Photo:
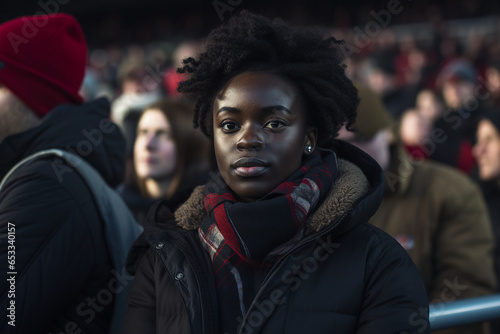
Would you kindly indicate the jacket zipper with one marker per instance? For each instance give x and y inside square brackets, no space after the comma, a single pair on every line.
[208,308]
[279,263]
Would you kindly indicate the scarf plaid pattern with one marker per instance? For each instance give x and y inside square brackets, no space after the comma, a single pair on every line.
[245,239]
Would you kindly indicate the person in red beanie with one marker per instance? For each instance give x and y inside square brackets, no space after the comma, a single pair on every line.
[60,276]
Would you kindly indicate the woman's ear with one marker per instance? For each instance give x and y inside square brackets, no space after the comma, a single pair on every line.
[310,140]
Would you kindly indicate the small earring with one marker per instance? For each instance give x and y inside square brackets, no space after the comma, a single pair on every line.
[309,149]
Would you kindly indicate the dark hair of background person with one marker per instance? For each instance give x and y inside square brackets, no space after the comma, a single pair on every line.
[306,56]
[192,148]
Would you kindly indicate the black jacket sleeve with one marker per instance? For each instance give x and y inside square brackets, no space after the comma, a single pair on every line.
[61,262]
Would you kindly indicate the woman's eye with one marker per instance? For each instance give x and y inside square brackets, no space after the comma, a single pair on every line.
[275,124]
[229,126]
[165,135]
[142,132]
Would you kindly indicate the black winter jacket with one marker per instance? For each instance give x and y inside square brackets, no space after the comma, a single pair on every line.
[62,266]
[345,276]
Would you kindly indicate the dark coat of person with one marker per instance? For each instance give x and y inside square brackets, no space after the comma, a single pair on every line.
[63,269]
[345,276]
[454,135]
[440,217]
[140,205]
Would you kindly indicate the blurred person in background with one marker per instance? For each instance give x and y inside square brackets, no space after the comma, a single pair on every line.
[138,89]
[429,105]
[493,84]
[416,124]
[436,213]
[170,157]
[60,252]
[171,78]
[414,132]
[457,84]
[410,63]
[93,86]
[487,153]
[383,79]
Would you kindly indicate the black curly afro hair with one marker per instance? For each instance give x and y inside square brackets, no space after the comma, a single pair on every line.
[307,56]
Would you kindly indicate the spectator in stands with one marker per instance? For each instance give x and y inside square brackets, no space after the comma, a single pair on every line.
[429,105]
[62,268]
[436,213]
[487,153]
[171,78]
[415,133]
[170,157]
[457,83]
[382,78]
[493,84]
[139,88]
[416,125]
[272,97]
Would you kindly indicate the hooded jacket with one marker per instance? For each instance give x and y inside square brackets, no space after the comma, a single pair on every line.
[345,276]
[61,269]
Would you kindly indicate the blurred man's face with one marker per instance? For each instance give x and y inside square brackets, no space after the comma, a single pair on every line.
[15,117]
[414,128]
[380,82]
[428,105]
[457,93]
[487,151]
[377,147]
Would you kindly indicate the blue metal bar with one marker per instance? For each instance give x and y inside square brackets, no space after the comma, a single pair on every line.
[462,312]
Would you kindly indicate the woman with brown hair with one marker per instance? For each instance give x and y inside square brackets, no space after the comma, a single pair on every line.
[170,157]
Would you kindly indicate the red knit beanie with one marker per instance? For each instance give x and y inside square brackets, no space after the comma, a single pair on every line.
[42,60]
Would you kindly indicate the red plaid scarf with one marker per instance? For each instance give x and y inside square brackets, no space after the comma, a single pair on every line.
[245,239]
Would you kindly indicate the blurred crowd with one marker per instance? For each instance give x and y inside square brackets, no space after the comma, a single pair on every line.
[421,71]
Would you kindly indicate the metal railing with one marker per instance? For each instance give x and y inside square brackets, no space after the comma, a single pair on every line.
[462,312]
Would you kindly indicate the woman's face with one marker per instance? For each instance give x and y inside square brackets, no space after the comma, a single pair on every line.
[260,133]
[154,148]
[487,151]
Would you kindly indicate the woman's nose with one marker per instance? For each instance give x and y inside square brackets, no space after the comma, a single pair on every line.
[251,138]
[150,142]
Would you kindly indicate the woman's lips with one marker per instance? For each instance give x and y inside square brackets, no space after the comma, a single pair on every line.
[250,167]
[149,161]
[252,171]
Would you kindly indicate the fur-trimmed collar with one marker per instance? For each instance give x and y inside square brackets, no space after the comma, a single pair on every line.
[350,185]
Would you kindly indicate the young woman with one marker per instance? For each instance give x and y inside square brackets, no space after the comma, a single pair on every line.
[278,241]
[170,157]
[486,151]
